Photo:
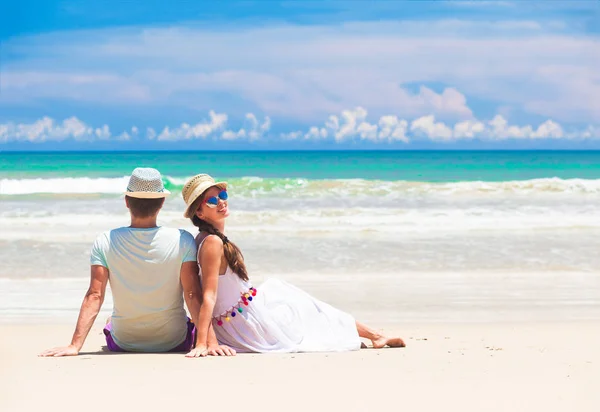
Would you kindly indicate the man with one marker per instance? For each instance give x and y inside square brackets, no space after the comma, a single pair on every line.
[150,269]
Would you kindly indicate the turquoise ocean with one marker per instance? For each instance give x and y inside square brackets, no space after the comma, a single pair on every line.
[423,166]
[484,225]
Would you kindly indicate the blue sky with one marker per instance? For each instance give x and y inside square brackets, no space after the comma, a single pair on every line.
[299,75]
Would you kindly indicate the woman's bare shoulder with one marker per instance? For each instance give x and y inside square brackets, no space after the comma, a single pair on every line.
[209,242]
[199,238]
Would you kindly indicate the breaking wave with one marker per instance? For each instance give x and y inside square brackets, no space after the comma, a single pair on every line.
[252,187]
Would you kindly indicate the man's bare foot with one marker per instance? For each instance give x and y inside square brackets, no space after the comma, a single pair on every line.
[383,341]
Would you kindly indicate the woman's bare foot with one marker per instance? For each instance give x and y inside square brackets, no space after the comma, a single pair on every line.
[378,340]
[383,341]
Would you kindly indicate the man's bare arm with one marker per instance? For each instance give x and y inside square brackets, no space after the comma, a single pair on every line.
[92,302]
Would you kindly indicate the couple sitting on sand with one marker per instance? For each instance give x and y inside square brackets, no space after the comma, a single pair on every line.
[152,269]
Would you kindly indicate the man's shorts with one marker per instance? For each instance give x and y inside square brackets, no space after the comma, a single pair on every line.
[185,346]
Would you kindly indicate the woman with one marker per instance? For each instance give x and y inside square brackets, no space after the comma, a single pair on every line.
[277,317]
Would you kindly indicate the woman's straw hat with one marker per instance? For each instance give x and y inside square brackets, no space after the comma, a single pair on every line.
[194,187]
[146,183]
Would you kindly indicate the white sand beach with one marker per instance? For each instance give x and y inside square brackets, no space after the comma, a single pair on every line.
[475,342]
[544,366]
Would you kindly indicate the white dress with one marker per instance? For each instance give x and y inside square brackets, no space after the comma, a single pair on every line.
[278,317]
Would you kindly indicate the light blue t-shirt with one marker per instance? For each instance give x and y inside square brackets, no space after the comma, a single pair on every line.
[144,267]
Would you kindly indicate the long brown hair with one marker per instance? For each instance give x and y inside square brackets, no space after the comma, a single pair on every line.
[233,254]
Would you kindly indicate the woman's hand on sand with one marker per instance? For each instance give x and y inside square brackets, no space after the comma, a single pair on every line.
[220,350]
[60,351]
[198,351]
[213,350]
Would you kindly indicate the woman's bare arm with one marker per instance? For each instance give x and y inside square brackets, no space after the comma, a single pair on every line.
[210,257]
[192,291]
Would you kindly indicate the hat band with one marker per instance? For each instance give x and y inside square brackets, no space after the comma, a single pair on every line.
[153,191]
[194,196]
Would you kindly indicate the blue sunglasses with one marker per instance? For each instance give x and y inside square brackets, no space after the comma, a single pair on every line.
[213,201]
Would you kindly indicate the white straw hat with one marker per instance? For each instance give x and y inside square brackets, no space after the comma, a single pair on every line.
[194,187]
[146,183]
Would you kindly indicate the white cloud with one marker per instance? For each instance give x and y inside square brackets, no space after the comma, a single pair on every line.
[127,135]
[547,130]
[427,125]
[591,132]
[198,131]
[353,125]
[252,130]
[367,131]
[315,133]
[348,123]
[391,129]
[291,135]
[151,133]
[450,101]
[349,126]
[46,129]
[102,133]
[468,129]
[231,135]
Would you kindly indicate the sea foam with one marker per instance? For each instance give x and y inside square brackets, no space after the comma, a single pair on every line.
[253,187]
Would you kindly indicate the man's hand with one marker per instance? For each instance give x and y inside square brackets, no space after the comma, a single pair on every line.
[61,351]
[220,350]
